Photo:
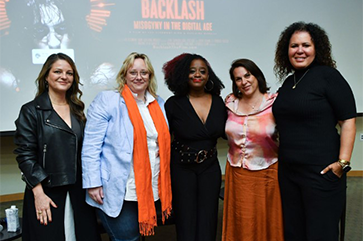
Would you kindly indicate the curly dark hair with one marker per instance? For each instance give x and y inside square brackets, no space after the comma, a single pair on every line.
[251,67]
[176,73]
[73,95]
[323,55]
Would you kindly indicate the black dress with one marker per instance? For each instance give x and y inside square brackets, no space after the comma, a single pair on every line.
[84,215]
[195,185]
[306,119]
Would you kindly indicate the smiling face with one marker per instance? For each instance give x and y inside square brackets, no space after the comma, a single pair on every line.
[245,82]
[198,74]
[301,50]
[60,77]
[137,77]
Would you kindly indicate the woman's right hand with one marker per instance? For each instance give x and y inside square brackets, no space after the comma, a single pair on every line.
[96,193]
[42,205]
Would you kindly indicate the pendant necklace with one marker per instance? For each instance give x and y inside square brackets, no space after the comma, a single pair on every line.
[256,105]
[295,83]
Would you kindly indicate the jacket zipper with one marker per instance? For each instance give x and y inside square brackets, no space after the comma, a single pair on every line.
[44,152]
[76,152]
[23,177]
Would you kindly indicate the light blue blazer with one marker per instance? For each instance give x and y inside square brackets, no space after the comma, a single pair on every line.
[107,149]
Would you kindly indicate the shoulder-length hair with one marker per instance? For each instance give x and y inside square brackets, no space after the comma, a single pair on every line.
[73,94]
[323,55]
[176,75]
[252,68]
[128,62]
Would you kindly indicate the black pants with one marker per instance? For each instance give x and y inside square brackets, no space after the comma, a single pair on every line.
[84,215]
[195,199]
[312,203]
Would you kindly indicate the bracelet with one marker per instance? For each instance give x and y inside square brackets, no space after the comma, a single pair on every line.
[343,163]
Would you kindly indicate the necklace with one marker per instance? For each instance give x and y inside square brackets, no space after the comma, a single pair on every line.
[60,104]
[256,105]
[253,106]
[295,83]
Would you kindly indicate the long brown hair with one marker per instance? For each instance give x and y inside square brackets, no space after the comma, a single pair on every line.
[251,67]
[73,94]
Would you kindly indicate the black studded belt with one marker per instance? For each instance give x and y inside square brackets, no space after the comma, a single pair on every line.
[190,155]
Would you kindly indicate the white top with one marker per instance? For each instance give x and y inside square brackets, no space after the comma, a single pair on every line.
[153,148]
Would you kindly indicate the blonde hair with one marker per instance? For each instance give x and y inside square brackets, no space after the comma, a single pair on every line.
[128,62]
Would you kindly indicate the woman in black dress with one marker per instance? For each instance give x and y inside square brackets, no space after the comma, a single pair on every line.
[49,135]
[196,115]
[313,157]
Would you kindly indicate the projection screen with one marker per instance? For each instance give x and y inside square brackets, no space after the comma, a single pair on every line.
[99,34]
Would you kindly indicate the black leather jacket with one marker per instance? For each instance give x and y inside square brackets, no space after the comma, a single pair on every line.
[48,150]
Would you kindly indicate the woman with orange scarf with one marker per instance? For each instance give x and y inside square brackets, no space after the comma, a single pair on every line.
[126,153]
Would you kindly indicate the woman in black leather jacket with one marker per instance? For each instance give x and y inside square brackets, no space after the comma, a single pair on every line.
[49,134]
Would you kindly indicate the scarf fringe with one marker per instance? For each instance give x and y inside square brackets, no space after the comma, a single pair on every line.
[165,215]
[147,229]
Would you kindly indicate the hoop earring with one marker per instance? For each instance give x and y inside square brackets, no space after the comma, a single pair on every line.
[209,89]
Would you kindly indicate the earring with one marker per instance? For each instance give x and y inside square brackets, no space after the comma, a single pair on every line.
[46,84]
[209,89]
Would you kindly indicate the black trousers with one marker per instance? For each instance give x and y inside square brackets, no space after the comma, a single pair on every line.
[312,203]
[195,190]
[84,215]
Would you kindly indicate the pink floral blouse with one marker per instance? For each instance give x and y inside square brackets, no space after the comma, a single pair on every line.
[252,138]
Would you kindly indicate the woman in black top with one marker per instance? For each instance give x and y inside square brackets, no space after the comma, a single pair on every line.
[196,115]
[49,134]
[313,157]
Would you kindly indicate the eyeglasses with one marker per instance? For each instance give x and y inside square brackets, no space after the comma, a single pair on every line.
[143,74]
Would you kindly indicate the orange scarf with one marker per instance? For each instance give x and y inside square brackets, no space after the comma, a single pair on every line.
[145,198]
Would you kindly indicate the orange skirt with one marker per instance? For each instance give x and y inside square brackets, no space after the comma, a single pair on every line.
[252,205]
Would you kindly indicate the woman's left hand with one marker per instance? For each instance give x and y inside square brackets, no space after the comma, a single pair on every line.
[96,193]
[336,169]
